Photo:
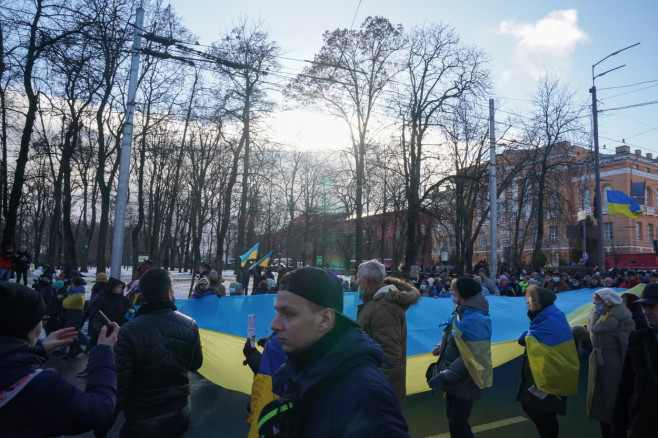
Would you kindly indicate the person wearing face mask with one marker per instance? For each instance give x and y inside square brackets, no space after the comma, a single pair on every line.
[549,370]
[608,329]
[424,288]
[594,283]
[37,402]
[563,283]
[464,367]
[383,316]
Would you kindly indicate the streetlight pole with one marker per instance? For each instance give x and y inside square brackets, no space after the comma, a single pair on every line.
[597,170]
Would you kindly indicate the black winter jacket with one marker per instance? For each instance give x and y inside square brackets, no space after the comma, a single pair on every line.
[154,353]
[637,395]
[49,405]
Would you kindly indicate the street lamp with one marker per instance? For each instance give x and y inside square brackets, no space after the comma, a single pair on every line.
[597,171]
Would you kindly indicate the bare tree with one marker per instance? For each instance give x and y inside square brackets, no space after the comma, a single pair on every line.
[348,79]
[440,72]
[556,118]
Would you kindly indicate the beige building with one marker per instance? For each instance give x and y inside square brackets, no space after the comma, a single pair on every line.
[570,190]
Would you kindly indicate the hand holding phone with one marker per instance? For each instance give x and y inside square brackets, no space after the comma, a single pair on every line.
[101,320]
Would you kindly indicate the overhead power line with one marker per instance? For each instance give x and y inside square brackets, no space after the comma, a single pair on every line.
[653,102]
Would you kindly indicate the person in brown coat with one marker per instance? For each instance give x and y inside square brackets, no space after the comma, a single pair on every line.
[608,329]
[382,316]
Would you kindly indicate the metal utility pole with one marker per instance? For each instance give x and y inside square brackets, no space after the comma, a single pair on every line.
[126,144]
[493,203]
[597,170]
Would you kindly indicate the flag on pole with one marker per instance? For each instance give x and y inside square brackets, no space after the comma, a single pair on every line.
[264,261]
[251,254]
[620,203]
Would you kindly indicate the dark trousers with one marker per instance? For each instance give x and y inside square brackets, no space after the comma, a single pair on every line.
[170,425]
[606,429]
[458,411]
[545,422]
[22,273]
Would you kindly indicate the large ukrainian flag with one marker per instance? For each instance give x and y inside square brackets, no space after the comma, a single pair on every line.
[552,354]
[223,330]
[621,204]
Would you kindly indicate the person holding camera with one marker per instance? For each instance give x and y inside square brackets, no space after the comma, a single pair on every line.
[28,392]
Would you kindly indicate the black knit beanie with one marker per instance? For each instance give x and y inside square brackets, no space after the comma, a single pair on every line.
[21,309]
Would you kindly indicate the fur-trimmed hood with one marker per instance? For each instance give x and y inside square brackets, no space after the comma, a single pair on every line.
[396,291]
[604,323]
[539,298]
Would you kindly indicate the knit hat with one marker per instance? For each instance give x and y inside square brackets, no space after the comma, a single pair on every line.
[319,287]
[114,282]
[608,296]
[21,309]
[203,281]
[101,277]
[467,287]
[503,278]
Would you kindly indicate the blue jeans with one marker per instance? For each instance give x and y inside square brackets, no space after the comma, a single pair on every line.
[458,411]
[4,274]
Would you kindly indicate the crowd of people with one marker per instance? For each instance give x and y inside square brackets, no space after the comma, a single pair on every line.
[331,375]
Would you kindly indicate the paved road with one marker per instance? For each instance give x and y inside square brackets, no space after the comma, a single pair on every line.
[220,412]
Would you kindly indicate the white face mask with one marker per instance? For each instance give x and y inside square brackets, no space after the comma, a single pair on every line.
[455,299]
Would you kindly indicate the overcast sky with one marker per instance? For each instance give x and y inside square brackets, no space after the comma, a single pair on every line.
[524,39]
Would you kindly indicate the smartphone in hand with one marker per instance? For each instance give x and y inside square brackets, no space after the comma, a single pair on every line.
[101,320]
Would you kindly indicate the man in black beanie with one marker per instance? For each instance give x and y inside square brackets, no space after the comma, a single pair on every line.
[26,389]
[330,382]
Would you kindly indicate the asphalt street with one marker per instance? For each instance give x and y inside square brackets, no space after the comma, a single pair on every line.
[220,412]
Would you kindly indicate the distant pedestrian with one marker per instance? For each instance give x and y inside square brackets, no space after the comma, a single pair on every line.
[6,262]
[22,261]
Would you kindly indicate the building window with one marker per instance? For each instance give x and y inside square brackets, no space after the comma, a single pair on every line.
[647,196]
[649,232]
[608,231]
[587,200]
[483,239]
[638,231]
[553,234]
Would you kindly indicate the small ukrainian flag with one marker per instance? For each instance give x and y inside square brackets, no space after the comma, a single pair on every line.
[621,204]
[249,255]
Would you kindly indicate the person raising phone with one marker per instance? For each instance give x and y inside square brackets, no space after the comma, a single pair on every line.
[26,389]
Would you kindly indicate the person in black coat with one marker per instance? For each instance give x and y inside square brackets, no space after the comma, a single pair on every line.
[42,402]
[637,394]
[155,351]
[22,261]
